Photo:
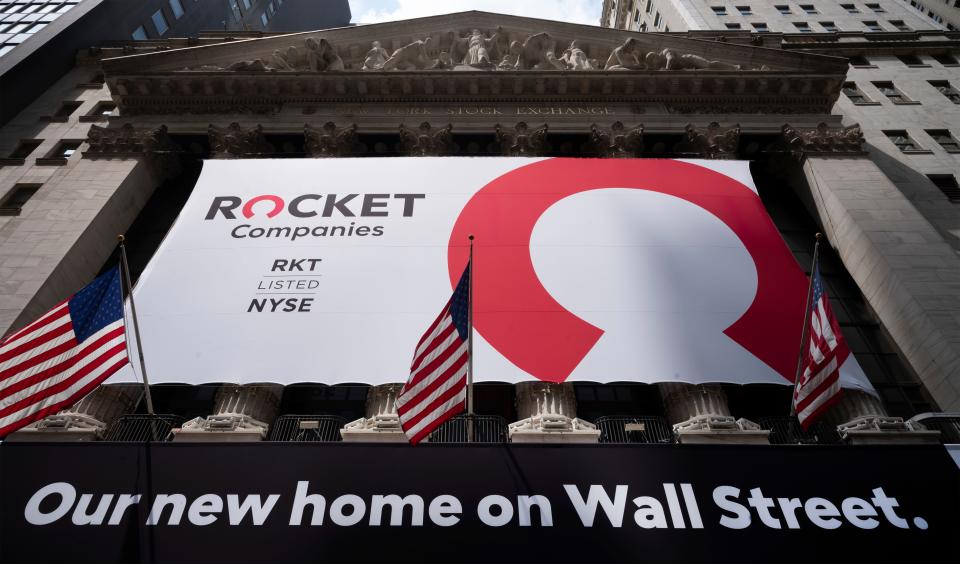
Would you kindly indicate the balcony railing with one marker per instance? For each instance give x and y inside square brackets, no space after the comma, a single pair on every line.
[306,428]
[786,430]
[486,429]
[137,428]
[640,429]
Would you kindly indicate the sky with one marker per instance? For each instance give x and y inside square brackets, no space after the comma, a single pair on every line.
[574,11]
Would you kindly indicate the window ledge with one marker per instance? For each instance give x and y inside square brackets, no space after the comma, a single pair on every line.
[953,151]
[10,211]
[923,66]
[917,152]
[94,118]
[950,65]
[52,161]
[864,66]
[910,103]
[58,119]
[9,161]
[93,85]
[867,104]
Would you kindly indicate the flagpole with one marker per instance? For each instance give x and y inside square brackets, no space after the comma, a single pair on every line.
[470,430]
[125,267]
[806,325]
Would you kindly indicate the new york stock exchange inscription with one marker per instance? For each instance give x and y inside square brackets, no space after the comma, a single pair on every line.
[520,111]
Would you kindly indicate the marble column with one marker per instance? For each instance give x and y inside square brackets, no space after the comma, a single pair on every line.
[380,423]
[861,419]
[88,419]
[699,413]
[548,413]
[241,413]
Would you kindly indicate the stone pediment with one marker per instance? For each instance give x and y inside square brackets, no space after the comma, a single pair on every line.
[472,54]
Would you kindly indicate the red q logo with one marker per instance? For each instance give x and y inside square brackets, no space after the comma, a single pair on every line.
[519,318]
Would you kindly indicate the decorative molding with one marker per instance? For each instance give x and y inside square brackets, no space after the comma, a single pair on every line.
[128,141]
[521,141]
[714,142]
[234,142]
[823,140]
[330,140]
[426,141]
[616,141]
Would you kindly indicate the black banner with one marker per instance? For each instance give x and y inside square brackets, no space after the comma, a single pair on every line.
[297,503]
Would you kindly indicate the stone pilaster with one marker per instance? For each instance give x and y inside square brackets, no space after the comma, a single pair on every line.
[714,141]
[548,413]
[381,423]
[862,419]
[906,271]
[241,413]
[521,141]
[129,142]
[86,420]
[425,141]
[699,414]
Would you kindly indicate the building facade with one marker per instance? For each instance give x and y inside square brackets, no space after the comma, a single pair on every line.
[117,143]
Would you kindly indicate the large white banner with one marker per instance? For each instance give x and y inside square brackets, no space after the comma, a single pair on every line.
[585,269]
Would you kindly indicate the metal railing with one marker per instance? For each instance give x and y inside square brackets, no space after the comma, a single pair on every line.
[786,430]
[138,428]
[649,429]
[487,429]
[947,423]
[307,428]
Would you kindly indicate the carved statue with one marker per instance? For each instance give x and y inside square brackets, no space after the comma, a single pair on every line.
[425,142]
[288,59]
[477,50]
[624,57]
[329,141]
[443,61]
[256,65]
[322,55]
[668,59]
[522,141]
[412,56]
[375,57]
[539,53]
[617,142]
[575,59]
[511,59]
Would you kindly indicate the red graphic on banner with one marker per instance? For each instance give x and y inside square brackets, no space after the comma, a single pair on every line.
[521,320]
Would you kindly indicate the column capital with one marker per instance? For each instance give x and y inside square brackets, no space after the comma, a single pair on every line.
[714,141]
[330,140]
[128,141]
[521,141]
[823,140]
[426,141]
[616,141]
[236,142]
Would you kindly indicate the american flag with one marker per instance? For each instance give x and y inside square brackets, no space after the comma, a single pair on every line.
[437,388]
[819,385]
[61,357]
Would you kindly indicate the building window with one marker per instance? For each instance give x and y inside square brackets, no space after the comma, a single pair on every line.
[733,26]
[744,10]
[643,26]
[12,203]
[945,88]
[853,92]
[860,61]
[872,26]
[902,140]
[876,8]
[808,8]
[636,17]
[900,25]
[656,20]
[892,93]
[649,6]
[271,8]
[264,19]
[24,148]
[911,61]
[719,10]
[802,27]
[64,149]
[177,8]
[99,112]
[947,183]
[65,110]
[945,58]
[760,27]
[850,8]
[139,34]
[945,139]
[829,26]
[246,4]
[784,10]
[159,22]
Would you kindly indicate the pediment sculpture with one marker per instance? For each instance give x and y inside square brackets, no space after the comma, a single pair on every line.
[475,50]
[315,55]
